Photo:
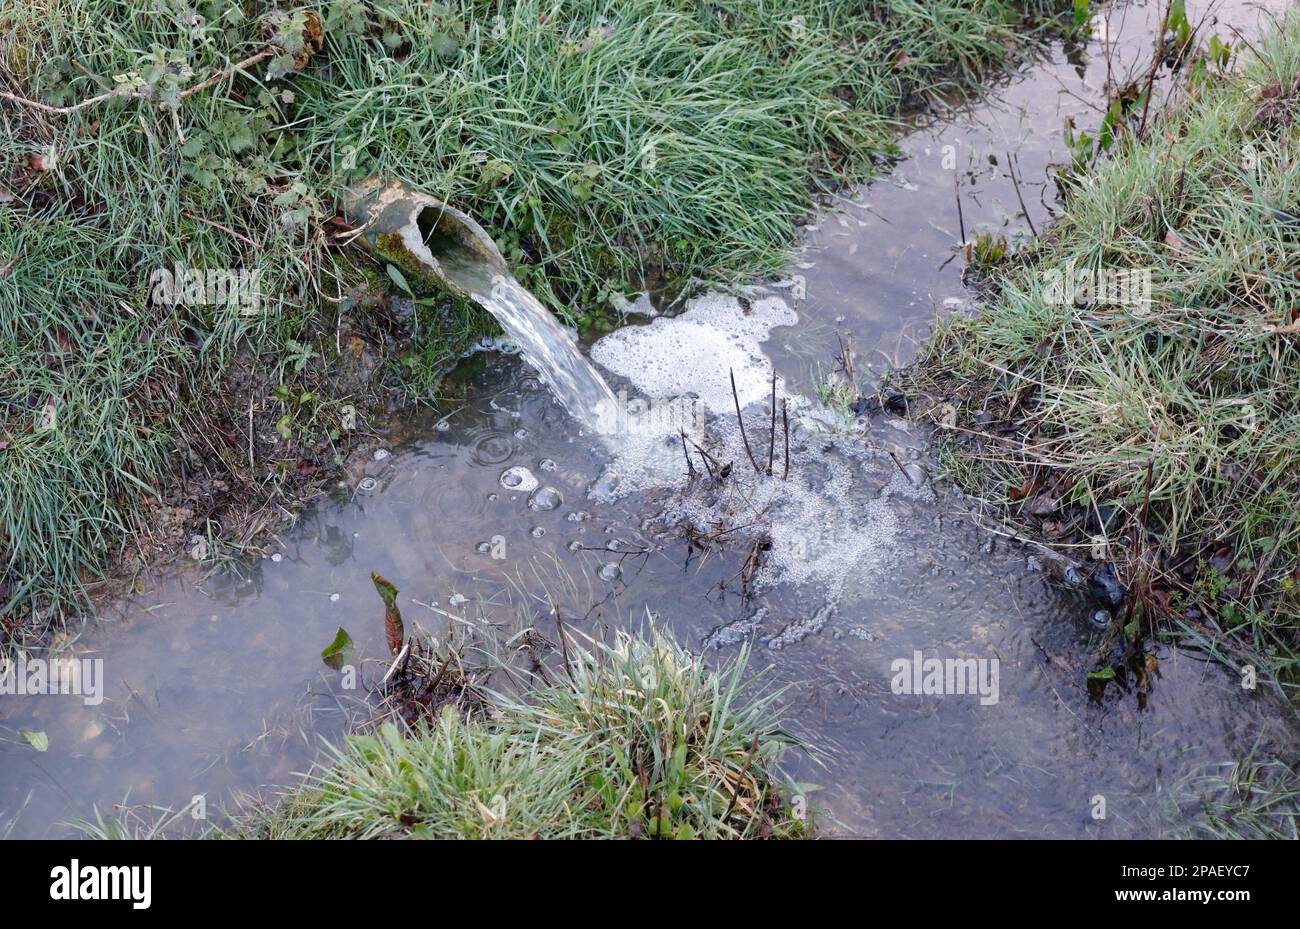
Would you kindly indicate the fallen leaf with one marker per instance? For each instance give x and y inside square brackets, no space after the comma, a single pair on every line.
[1044,505]
[333,654]
[1177,243]
[1024,490]
[37,740]
[488,816]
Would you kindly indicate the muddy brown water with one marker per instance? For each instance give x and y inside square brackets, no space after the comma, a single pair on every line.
[214,684]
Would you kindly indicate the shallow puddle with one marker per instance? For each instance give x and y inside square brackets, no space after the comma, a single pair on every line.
[215,685]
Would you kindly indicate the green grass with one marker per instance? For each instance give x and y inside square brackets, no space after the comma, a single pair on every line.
[683,135]
[639,739]
[1247,799]
[1181,415]
[593,139]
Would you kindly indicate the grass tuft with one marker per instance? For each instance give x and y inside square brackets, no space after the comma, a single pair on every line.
[639,740]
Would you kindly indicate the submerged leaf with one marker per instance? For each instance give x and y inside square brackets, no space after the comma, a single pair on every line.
[333,654]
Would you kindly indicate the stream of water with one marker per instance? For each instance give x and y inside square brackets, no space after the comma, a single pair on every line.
[215,685]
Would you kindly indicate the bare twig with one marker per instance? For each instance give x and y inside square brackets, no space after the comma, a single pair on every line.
[215,225]
[771,432]
[221,75]
[785,422]
[1024,209]
[127,93]
[740,419]
[564,644]
[961,219]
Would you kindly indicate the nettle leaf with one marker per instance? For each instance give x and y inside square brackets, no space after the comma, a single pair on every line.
[445,45]
[495,171]
[280,66]
[346,16]
[241,138]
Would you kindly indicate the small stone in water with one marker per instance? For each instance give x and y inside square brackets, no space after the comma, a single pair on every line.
[545,498]
[518,478]
[381,454]
[1101,619]
[442,426]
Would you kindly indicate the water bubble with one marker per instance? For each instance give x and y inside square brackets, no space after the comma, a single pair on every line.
[521,433]
[578,516]
[492,498]
[381,454]
[545,498]
[610,571]
[276,557]
[537,532]
[334,598]
[575,546]
[546,464]
[612,545]
[442,426]
[518,478]
[457,599]
[367,485]
[484,548]
[1101,619]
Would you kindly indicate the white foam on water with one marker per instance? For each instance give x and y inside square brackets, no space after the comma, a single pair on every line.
[830,524]
[693,353]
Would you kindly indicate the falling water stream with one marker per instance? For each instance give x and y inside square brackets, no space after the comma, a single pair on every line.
[543,342]
[490,515]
